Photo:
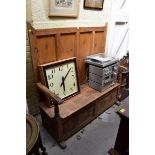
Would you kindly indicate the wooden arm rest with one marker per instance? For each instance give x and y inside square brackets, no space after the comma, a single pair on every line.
[49,93]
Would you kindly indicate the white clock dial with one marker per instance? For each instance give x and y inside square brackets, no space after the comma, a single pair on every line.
[62,79]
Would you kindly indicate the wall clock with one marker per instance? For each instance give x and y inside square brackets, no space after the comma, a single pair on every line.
[61,77]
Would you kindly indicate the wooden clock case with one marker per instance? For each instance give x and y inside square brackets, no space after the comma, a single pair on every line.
[42,72]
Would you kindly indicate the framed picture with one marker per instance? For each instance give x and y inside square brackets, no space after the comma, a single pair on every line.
[61,77]
[69,8]
[94,4]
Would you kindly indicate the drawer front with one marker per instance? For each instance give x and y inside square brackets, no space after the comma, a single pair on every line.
[78,119]
[105,102]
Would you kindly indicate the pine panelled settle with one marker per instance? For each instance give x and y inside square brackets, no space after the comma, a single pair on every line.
[48,45]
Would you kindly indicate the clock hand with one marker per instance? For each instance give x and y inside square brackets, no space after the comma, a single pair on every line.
[63,84]
[63,79]
[67,73]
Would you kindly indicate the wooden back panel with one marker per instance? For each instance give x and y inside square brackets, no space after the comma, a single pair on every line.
[48,45]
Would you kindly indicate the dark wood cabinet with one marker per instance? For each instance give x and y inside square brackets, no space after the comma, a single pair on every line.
[122,141]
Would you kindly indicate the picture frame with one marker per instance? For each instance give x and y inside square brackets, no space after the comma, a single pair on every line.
[61,77]
[93,4]
[65,8]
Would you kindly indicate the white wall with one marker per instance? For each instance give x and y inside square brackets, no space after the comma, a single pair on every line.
[28,11]
[86,18]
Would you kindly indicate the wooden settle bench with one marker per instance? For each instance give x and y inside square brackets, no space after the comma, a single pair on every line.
[64,118]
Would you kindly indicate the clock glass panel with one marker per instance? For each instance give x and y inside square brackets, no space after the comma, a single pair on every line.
[62,79]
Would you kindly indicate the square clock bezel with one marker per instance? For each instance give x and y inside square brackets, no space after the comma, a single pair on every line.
[44,67]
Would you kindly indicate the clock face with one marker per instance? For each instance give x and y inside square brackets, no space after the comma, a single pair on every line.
[62,79]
